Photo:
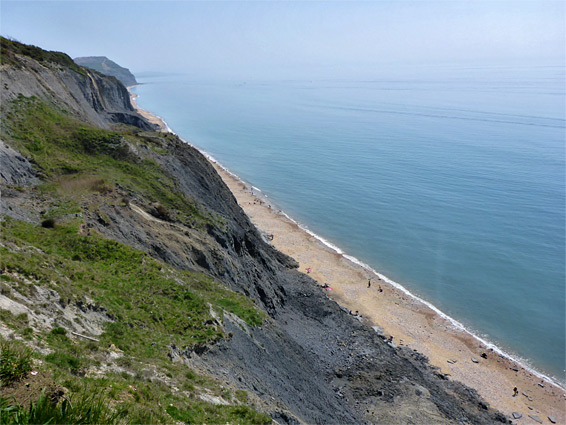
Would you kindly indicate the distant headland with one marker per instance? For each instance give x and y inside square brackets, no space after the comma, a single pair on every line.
[107,67]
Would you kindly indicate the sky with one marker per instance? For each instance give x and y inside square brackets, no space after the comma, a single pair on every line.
[287,39]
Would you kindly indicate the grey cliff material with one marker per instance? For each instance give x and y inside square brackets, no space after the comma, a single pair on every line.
[310,362]
[94,98]
[16,170]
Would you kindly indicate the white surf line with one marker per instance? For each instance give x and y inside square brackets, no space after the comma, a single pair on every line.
[457,325]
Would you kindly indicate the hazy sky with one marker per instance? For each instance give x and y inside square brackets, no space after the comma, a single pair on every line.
[272,38]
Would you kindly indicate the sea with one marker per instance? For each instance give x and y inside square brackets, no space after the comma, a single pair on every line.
[448,180]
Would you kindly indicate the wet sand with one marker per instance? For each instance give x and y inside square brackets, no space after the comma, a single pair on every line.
[411,323]
[147,115]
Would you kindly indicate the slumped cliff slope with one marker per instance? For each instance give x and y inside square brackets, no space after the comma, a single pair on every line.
[128,267]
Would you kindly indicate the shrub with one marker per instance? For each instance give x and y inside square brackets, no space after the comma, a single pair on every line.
[64,361]
[15,362]
[161,212]
[58,331]
[84,410]
[48,223]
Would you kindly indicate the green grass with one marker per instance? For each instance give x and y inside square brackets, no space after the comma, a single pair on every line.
[152,306]
[15,362]
[64,361]
[9,49]
[72,155]
[17,322]
[61,208]
[201,412]
[88,409]
[126,399]
[151,302]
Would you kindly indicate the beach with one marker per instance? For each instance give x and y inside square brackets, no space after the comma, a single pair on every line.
[410,322]
[147,115]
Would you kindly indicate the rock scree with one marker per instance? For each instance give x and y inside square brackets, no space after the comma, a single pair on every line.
[310,361]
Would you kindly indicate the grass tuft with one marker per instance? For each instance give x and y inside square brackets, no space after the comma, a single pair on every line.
[90,409]
[15,362]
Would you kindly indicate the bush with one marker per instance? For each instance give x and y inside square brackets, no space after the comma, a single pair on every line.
[64,361]
[48,223]
[58,331]
[159,211]
[83,410]
[98,141]
[15,362]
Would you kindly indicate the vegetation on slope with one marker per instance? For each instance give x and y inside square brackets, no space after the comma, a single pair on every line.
[10,48]
[124,374]
[66,150]
[149,305]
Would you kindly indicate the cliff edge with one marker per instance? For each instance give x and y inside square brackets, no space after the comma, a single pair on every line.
[130,271]
[107,67]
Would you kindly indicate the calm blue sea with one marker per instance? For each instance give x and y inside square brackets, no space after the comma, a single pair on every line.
[449,181]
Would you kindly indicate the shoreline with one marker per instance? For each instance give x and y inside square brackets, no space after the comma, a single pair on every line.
[411,321]
[154,119]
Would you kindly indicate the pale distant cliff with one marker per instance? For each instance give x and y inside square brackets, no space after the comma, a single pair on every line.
[107,67]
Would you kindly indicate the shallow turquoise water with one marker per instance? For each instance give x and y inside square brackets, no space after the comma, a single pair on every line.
[451,184]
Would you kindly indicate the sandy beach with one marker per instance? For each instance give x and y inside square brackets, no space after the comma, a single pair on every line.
[147,115]
[410,322]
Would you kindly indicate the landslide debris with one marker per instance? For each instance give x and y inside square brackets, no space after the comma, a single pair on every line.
[151,289]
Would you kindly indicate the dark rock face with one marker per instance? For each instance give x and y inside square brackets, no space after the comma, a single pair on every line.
[310,362]
[16,170]
[96,99]
[107,67]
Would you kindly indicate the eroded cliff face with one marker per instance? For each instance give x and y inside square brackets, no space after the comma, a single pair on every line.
[309,361]
[312,362]
[96,99]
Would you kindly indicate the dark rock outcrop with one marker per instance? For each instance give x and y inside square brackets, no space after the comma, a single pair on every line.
[310,361]
[94,98]
[16,170]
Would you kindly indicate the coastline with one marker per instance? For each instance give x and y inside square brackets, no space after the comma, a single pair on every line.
[412,322]
[154,119]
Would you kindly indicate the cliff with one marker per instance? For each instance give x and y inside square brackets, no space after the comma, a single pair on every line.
[54,78]
[131,272]
[107,67]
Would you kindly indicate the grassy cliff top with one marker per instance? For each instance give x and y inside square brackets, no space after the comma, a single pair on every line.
[9,49]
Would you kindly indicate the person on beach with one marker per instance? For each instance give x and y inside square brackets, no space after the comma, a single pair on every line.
[515,392]
[379,289]
[369,283]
